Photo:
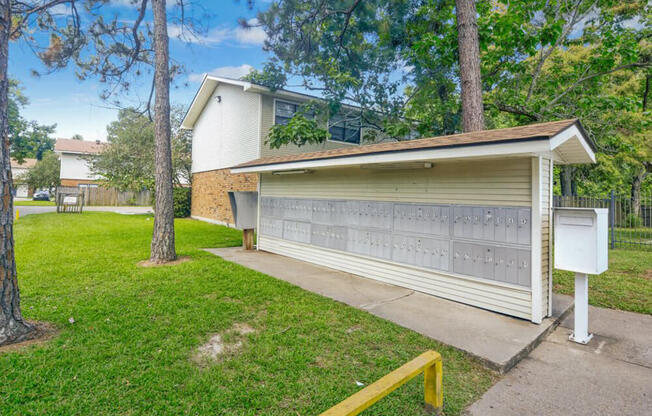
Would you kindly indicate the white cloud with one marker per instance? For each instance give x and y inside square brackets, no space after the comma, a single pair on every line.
[235,72]
[254,35]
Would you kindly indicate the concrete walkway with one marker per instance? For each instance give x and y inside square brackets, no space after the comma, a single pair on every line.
[498,340]
[612,375]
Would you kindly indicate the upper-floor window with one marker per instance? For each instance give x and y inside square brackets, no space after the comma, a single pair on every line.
[284,111]
[345,128]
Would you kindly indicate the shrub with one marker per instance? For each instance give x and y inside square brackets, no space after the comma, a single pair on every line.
[181,198]
[633,221]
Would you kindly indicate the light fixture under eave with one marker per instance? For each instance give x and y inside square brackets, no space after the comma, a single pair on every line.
[398,166]
[291,172]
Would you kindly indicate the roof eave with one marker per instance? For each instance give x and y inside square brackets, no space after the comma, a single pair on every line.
[508,148]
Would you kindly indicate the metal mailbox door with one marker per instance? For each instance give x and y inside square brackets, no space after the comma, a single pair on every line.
[524,226]
[511,220]
[499,224]
[478,223]
[488,227]
[524,268]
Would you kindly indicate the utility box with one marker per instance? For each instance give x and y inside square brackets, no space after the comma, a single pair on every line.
[244,206]
[581,236]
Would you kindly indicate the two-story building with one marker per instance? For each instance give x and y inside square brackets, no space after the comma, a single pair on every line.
[75,168]
[231,120]
[19,171]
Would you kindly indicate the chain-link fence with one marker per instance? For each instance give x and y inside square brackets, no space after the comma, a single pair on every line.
[630,219]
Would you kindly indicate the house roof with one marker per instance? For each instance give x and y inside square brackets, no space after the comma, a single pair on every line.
[210,82]
[551,137]
[28,163]
[78,146]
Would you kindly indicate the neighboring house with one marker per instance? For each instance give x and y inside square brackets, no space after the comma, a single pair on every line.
[18,172]
[75,170]
[231,120]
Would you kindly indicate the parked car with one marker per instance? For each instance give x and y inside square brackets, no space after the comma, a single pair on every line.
[41,196]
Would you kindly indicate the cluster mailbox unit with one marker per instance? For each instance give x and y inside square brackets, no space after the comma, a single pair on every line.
[581,247]
[464,217]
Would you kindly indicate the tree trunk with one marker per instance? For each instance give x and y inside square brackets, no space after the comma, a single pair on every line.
[566,182]
[13,328]
[469,56]
[637,181]
[162,249]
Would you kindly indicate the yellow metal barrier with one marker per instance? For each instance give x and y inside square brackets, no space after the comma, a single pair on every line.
[429,363]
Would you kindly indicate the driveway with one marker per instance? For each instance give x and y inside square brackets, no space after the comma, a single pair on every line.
[27,210]
[611,375]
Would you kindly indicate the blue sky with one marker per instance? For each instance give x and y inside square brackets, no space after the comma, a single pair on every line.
[75,106]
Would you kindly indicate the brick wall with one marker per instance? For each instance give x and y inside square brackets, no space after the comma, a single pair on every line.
[76,182]
[210,198]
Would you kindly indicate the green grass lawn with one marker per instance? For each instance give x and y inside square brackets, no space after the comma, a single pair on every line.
[135,329]
[34,203]
[627,285]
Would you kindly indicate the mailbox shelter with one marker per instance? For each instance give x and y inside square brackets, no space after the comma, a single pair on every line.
[465,217]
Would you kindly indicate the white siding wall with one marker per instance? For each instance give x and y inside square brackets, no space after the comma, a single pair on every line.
[267,121]
[75,167]
[227,132]
[506,182]
[546,233]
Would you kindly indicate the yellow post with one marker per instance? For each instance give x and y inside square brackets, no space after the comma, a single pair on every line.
[17,214]
[429,363]
[432,387]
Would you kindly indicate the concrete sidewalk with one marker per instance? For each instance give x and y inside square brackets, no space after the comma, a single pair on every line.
[611,375]
[499,341]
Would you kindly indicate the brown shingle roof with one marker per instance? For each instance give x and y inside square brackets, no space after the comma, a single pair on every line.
[28,163]
[78,146]
[538,131]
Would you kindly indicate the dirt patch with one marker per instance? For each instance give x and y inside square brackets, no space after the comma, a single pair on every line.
[648,274]
[179,260]
[220,345]
[45,331]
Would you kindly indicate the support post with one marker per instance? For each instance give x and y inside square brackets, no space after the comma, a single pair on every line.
[248,239]
[433,391]
[581,330]
[612,218]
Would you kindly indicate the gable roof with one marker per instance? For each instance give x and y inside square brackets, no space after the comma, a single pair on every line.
[210,82]
[522,140]
[28,163]
[85,147]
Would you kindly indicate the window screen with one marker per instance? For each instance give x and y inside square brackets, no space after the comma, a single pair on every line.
[284,112]
[345,129]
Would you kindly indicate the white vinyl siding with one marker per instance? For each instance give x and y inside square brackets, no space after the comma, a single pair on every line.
[505,182]
[227,131]
[546,231]
[501,298]
[74,166]
[267,121]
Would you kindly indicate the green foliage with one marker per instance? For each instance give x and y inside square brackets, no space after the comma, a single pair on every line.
[299,130]
[135,330]
[626,285]
[27,139]
[633,221]
[541,60]
[182,202]
[128,162]
[45,174]
[272,76]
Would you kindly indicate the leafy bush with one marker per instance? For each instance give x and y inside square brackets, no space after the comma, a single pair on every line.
[633,221]
[181,198]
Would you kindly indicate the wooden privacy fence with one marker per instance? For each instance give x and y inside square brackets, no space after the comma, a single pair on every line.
[109,196]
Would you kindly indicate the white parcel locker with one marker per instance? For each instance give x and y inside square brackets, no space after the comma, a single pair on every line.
[581,239]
